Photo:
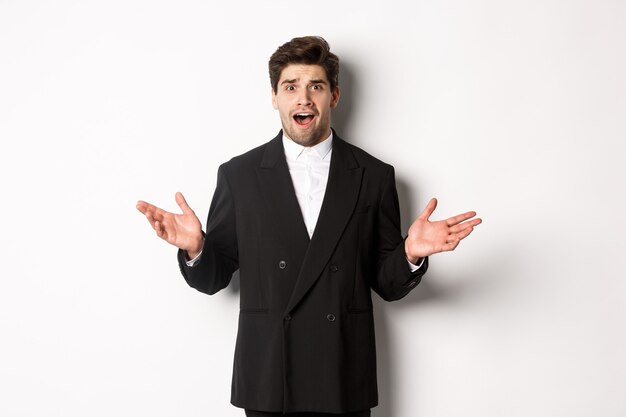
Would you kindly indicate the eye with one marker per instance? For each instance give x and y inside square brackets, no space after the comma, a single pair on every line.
[316,87]
[290,88]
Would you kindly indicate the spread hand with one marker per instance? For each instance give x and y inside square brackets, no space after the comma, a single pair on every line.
[181,230]
[427,237]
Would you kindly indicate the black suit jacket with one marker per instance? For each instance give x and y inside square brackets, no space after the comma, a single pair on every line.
[306,331]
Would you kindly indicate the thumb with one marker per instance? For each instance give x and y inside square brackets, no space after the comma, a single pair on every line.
[182,203]
[430,207]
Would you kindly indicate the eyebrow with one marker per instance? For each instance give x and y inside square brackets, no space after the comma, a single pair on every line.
[292,81]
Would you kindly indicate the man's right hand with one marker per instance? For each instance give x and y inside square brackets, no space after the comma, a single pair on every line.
[181,230]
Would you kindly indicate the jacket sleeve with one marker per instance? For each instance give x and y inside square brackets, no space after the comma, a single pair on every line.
[219,257]
[394,278]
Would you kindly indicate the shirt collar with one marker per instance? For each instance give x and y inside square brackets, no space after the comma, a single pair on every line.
[294,150]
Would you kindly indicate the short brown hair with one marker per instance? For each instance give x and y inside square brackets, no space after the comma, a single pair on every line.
[308,50]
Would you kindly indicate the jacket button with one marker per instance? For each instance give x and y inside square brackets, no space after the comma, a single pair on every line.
[282,264]
[331,317]
[334,268]
[287,317]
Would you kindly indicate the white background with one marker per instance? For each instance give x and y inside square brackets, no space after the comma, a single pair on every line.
[513,109]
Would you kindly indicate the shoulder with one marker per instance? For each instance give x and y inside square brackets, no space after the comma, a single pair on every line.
[363,158]
[252,158]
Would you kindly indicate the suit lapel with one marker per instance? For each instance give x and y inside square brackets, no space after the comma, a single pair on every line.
[280,196]
[342,192]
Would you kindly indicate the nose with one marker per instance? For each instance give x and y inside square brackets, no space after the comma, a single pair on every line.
[304,98]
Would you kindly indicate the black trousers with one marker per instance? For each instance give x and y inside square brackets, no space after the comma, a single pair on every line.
[252,413]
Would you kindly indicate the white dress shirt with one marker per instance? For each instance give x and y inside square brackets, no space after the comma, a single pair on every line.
[309,168]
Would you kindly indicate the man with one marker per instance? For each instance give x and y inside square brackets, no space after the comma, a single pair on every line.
[312,223]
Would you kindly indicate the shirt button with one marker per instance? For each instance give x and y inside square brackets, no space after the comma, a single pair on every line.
[282,264]
[334,268]
[331,317]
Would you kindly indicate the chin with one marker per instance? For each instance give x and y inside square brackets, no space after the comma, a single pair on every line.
[305,138]
[306,141]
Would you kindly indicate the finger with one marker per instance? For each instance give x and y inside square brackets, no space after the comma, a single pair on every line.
[450,246]
[430,207]
[154,216]
[146,208]
[465,233]
[182,203]
[141,206]
[460,218]
[160,230]
[462,226]
[151,219]
[457,237]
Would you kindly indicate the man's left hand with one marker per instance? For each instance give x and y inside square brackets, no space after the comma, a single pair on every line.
[429,237]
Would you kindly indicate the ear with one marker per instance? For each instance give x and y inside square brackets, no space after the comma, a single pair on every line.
[334,98]
[274,103]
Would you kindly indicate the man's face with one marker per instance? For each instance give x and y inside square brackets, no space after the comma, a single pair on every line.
[304,99]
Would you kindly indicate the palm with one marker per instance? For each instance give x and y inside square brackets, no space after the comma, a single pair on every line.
[181,230]
[427,237]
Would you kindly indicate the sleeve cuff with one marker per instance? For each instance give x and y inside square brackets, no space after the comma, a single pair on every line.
[193,261]
[412,267]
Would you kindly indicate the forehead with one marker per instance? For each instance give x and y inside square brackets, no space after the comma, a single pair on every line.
[303,73]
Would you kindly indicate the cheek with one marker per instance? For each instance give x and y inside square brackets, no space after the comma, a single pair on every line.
[327,103]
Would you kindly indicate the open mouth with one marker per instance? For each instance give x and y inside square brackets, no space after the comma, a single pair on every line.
[303,119]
